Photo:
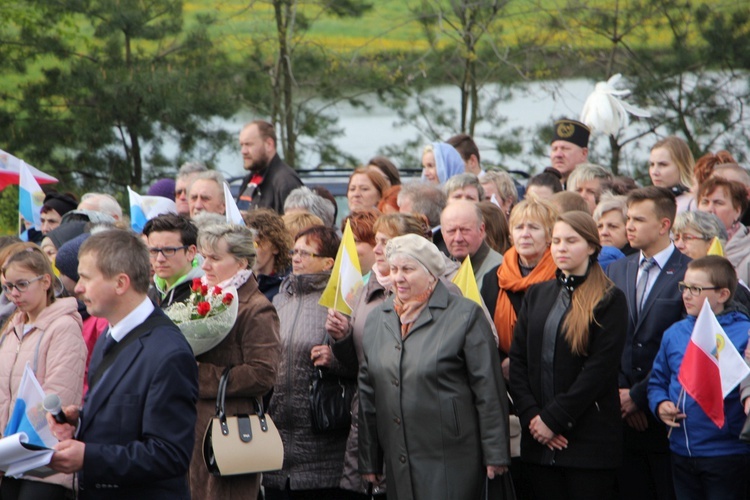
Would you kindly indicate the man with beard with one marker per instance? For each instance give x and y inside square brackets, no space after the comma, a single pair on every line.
[269,180]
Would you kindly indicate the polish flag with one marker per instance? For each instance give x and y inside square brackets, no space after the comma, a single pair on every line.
[711,367]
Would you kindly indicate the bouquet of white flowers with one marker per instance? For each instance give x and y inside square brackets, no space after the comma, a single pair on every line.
[206,317]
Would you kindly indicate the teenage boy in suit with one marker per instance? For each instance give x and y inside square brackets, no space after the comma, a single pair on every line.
[649,279]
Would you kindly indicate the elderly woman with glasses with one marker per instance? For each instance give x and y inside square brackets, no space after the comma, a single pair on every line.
[251,348]
[693,233]
[312,461]
[45,333]
[432,397]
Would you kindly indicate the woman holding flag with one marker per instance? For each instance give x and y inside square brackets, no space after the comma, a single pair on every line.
[312,461]
[432,398]
[347,331]
[44,332]
[695,392]
[564,364]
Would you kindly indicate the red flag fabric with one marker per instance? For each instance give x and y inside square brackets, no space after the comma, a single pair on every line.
[699,374]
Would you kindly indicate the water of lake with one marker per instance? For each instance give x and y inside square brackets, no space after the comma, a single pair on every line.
[368,131]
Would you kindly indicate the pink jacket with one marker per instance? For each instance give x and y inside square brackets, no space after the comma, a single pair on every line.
[57,354]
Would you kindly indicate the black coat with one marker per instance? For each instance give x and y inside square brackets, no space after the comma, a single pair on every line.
[662,308]
[586,404]
[279,179]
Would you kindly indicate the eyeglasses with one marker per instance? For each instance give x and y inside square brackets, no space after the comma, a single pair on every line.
[20,285]
[304,254]
[166,251]
[689,237]
[694,290]
[180,192]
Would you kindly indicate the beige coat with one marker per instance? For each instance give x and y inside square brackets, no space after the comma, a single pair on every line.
[252,348]
[56,352]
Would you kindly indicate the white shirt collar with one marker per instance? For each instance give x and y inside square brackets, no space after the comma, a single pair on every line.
[133,319]
[662,257]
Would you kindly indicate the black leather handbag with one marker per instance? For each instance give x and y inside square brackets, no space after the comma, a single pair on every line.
[330,401]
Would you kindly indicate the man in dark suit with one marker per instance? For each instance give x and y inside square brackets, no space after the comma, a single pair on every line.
[134,437]
[649,279]
[269,180]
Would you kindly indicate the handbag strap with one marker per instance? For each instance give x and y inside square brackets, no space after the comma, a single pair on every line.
[220,397]
[221,411]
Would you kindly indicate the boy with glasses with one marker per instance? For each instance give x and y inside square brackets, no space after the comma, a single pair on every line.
[707,461]
[171,241]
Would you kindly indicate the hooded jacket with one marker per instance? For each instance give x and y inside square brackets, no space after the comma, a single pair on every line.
[180,291]
[697,435]
[55,350]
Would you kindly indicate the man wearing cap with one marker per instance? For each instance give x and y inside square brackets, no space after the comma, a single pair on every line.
[569,147]
[55,206]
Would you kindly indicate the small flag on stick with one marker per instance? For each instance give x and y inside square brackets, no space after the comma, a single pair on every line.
[145,208]
[233,212]
[711,367]
[346,277]
[467,282]
[716,248]
[30,197]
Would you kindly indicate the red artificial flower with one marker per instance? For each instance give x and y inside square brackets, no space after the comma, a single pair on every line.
[196,286]
[204,290]
[228,298]
[217,290]
[203,308]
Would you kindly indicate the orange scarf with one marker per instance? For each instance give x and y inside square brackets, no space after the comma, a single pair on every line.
[509,278]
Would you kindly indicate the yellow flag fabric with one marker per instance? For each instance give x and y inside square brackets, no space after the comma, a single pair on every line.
[466,281]
[716,248]
[346,277]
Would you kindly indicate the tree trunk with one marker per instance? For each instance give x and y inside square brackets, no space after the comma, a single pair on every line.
[283,86]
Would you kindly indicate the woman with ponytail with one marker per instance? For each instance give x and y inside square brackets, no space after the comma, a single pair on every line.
[563,371]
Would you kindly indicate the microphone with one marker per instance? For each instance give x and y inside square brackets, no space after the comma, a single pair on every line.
[53,405]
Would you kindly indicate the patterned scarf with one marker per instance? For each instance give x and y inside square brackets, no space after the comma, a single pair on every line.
[409,311]
[236,281]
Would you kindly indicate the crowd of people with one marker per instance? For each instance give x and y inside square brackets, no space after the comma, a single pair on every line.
[559,381]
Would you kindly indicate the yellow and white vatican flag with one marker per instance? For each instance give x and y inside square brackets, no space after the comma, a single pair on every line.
[346,277]
[467,282]
[716,248]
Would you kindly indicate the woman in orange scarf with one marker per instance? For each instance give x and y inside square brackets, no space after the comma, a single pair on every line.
[526,263]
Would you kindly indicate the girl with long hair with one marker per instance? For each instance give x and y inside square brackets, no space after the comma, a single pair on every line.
[563,371]
[671,165]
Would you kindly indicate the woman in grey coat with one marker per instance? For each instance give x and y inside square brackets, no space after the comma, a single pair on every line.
[312,462]
[432,397]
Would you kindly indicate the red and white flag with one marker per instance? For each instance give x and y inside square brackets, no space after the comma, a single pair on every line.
[711,367]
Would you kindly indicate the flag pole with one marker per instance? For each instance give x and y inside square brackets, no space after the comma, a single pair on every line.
[680,397]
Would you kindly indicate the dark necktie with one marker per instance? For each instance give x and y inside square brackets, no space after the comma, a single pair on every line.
[109,343]
[640,289]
